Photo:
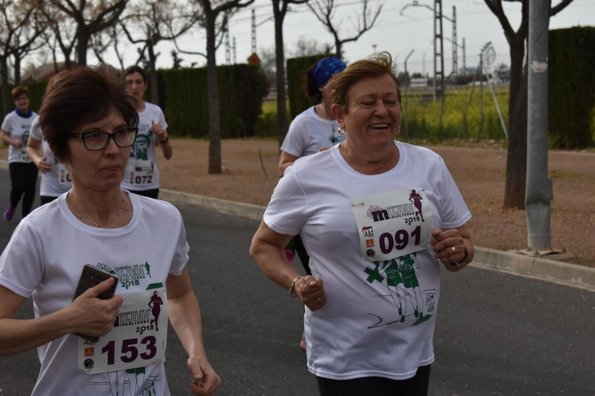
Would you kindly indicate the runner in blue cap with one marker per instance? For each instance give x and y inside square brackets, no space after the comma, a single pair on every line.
[312,131]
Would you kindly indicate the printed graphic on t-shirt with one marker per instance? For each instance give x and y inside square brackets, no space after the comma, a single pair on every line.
[138,339]
[23,154]
[139,170]
[63,174]
[393,227]
[392,224]
[413,304]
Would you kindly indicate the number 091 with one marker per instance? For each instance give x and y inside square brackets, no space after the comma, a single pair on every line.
[399,241]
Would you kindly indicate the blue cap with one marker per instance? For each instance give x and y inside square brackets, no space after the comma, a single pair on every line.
[325,68]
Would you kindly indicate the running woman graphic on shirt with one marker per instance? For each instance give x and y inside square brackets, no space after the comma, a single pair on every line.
[140,168]
[403,288]
[143,313]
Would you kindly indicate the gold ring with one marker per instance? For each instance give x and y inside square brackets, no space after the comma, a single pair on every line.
[453,248]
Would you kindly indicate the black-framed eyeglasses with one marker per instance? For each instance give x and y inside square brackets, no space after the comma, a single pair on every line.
[97,139]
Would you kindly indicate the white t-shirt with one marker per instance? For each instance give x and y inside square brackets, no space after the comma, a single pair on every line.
[44,259]
[379,317]
[57,180]
[19,128]
[308,132]
[142,172]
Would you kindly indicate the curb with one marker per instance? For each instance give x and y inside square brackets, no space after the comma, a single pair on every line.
[510,262]
[536,267]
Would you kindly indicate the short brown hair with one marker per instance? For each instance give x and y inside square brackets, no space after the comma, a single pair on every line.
[374,66]
[18,91]
[79,96]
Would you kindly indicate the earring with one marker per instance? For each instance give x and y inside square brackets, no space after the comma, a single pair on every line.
[341,130]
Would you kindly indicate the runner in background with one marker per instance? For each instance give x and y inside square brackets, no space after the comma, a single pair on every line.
[55,178]
[313,130]
[23,173]
[142,174]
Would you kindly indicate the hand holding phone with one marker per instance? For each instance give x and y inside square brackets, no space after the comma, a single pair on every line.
[91,277]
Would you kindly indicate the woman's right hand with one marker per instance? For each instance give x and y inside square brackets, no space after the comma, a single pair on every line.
[311,291]
[92,315]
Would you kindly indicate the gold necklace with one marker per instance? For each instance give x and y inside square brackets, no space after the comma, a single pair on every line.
[94,223]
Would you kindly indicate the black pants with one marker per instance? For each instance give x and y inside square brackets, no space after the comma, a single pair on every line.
[23,179]
[300,249]
[154,193]
[377,386]
[296,245]
[46,199]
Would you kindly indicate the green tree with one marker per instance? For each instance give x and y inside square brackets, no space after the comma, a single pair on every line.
[516,163]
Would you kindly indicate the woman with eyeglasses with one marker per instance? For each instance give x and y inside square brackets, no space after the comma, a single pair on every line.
[90,123]
[23,173]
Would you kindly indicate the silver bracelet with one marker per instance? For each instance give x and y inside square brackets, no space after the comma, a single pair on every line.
[292,287]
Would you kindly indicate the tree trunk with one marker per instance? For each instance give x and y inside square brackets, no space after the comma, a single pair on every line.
[4,82]
[213,98]
[82,45]
[153,73]
[17,69]
[280,76]
[516,161]
[338,49]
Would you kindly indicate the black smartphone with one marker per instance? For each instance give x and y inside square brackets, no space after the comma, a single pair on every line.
[91,277]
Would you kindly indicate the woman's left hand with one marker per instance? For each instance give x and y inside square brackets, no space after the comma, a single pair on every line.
[205,380]
[449,246]
[311,291]
[158,130]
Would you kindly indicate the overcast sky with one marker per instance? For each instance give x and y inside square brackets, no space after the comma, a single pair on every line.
[401,28]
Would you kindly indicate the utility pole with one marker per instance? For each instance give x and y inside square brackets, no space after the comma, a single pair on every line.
[455,54]
[227,47]
[464,60]
[254,25]
[253,28]
[406,95]
[438,90]
[439,58]
[539,191]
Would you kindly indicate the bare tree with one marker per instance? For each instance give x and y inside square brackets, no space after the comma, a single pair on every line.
[61,33]
[91,17]
[514,192]
[211,10]
[325,10]
[154,21]
[18,32]
[280,8]
[310,47]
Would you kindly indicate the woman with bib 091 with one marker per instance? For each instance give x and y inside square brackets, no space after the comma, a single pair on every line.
[378,217]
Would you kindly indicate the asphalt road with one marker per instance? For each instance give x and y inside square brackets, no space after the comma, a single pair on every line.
[497,334]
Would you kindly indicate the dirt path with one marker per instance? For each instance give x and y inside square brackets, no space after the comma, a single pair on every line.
[250,176]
